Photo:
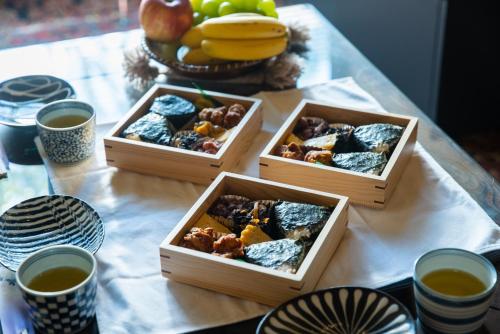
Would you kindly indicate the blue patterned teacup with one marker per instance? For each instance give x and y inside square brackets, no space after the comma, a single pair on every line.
[64,311]
[62,143]
[440,308]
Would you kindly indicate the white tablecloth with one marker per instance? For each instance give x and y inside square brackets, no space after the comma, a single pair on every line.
[427,210]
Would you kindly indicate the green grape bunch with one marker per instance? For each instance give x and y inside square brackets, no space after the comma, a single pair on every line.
[206,9]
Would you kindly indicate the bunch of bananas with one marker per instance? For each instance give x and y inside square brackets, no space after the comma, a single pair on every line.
[235,37]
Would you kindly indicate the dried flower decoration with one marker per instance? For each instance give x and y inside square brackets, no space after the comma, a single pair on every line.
[298,36]
[283,71]
[137,68]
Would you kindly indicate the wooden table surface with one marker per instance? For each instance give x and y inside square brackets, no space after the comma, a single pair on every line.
[93,66]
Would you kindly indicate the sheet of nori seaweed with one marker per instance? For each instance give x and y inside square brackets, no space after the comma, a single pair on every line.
[151,128]
[378,137]
[179,111]
[284,254]
[299,220]
[364,162]
[344,134]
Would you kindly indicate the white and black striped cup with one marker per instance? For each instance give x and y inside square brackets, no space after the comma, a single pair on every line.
[441,313]
[66,311]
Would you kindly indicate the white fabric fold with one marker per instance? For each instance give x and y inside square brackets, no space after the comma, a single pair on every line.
[427,210]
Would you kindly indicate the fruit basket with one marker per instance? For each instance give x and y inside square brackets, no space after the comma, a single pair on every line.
[241,42]
[227,70]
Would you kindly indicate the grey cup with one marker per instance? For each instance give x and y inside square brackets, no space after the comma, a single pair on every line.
[71,144]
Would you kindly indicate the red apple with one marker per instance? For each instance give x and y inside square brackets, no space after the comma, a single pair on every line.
[165,21]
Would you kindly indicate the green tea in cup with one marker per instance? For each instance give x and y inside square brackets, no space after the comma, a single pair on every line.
[454,282]
[57,279]
[66,121]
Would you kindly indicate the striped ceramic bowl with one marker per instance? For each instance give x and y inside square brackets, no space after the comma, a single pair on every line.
[44,221]
[340,310]
[440,313]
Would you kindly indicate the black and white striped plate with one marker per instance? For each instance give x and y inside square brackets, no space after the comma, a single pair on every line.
[47,220]
[342,310]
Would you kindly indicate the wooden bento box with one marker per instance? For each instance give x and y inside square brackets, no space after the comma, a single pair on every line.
[245,280]
[361,188]
[176,163]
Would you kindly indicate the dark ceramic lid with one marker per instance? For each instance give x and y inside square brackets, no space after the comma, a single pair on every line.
[21,97]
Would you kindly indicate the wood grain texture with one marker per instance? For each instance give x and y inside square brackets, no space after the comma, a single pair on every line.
[368,190]
[245,280]
[186,165]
